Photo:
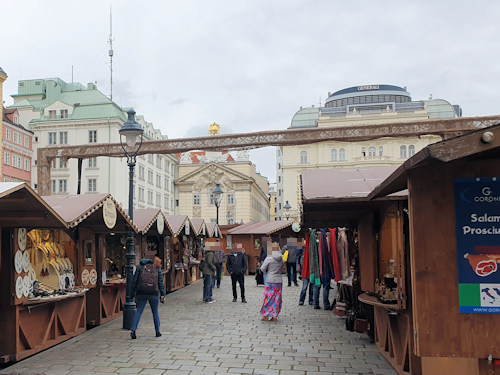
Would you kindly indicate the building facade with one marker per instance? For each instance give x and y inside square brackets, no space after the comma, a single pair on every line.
[3,77]
[17,148]
[355,106]
[61,113]
[246,193]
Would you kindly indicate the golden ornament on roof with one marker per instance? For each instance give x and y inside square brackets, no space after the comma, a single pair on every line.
[214,129]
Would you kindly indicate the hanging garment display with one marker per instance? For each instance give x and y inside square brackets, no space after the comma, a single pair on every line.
[327,273]
[334,255]
[343,252]
[305,259]
[313,259]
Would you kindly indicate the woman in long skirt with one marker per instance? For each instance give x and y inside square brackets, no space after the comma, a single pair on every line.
[272,267]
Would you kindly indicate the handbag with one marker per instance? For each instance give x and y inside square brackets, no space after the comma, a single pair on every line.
[285,256]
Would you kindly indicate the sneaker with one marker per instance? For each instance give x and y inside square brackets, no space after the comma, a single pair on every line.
[235,299]
[158,334]
[132,335]
[211,301]
[243,300]
[301,303]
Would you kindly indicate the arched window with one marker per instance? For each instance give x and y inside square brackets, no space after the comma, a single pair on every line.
[372,152]
[303,157]
[402,152]
[342,154]
[334,154]
[411,150]
[380,151]
[363,151]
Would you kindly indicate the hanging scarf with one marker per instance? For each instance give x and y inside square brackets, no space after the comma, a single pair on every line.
[343,253]
[327,268]
[313,259]
[305,259]
[333,253]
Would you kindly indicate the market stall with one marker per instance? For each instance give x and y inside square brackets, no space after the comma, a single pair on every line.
[39,302]
[154,237]
[180,245]
[250,236]
[201,232]
[375,289]
[98,228]
[454,203]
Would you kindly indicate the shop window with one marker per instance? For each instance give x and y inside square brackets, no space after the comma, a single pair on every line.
[89,253]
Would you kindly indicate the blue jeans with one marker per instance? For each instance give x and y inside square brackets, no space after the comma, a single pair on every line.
[141,300]
[207,288]
[303,292]
[218,274]
[326,295]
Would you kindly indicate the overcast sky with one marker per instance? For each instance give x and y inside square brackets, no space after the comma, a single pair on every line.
[249,65]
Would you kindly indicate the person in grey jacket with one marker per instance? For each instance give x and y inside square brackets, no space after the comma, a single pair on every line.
[272,267]
[207,266]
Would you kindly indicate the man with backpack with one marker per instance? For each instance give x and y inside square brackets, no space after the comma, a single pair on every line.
[147,283]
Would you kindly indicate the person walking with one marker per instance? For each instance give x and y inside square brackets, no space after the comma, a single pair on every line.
[272,266]
[291,262]
[220,258]
[236,265]
[207,266]
[147,283]
[305,275]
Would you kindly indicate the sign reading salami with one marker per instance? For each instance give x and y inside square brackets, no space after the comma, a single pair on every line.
[477,211]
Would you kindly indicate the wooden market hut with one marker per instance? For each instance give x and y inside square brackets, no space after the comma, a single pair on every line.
[381,229]
[214,230]
[98,228]
[153,236]
[30,325]
[250,236]
[453,192]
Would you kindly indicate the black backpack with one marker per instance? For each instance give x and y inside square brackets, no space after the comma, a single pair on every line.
[148,282]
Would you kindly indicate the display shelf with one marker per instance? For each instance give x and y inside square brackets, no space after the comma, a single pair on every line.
[371,300]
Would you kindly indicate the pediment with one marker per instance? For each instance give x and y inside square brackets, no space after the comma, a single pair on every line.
[212,173]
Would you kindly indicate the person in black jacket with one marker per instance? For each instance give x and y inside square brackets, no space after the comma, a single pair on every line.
[236,265]
[141,297]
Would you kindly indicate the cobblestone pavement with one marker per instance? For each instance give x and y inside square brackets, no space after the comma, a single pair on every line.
[219,338]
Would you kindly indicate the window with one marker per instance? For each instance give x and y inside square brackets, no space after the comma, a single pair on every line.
[26,142]
[211,195]
[363,151]
[63,138]
[18,138]
[303,157]
[402,152]
[158,180]
[158,161]
[92,162]
[6,157]
[92,136]
[196,200]
[141,194]
[342,154]
[53,184]
[63,164]
[7,134]
[141,172]
[92,185]
[17,161]
[380,151]
[158,200]
[63,186]
[36,139]
[150,158]
[52,114]
[64,113]
[27,165]
[52,138]
[411,150]
[150,177]
[372,152]
[333,153]
[167,166]
[165,202]
[230,199]
[150,196]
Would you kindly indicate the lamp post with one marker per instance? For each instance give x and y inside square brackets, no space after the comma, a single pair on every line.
[286,209]
[131,130]
[217,194]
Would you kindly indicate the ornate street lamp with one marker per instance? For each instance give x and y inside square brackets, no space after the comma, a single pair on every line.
[217,195]
[132,132]
[286,209]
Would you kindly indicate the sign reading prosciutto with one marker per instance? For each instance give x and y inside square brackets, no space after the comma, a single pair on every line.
[477,212]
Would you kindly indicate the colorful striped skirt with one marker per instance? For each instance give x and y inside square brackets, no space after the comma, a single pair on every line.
[271,306]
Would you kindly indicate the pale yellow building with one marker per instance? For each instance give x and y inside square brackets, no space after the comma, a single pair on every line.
[273,202]
[245,198]
[3,77]
[354,106]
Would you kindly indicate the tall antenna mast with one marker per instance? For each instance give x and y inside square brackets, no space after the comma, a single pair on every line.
[111,50]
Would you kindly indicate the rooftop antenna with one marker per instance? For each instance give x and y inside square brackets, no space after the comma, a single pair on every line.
[111,50]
